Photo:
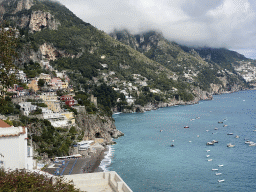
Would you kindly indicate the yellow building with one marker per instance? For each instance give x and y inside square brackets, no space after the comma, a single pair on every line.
[64,85]
[46,77]
[53,105]
[33,85]
[69,116]
[48,97]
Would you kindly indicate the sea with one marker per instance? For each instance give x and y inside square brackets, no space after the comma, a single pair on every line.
[145,160]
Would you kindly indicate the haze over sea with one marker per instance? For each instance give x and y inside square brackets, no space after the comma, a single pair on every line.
[146,162]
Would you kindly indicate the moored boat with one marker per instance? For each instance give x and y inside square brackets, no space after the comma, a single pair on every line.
[209,143]
[218,173]
[230,134]
[230,145]
[221,180]
[186,127]
[215,169]
[252,144]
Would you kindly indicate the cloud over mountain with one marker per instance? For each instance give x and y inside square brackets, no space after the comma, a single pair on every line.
[219,23]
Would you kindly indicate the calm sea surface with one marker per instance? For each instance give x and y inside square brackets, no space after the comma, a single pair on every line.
[146,162]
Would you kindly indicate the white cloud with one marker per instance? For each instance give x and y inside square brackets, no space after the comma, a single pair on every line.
[218,23]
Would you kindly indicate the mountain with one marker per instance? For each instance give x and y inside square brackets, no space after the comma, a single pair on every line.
[128,63]
[210,69]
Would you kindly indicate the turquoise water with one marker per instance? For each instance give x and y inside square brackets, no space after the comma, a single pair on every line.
[146,162]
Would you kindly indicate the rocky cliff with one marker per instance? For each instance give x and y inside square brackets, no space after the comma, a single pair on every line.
[95,126]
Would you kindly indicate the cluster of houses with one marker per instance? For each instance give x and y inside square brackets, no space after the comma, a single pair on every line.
[54,111]
[246,70]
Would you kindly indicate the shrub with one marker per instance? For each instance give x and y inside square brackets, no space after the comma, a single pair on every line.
[21,180]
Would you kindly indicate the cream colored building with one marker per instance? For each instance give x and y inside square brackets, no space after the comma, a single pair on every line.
[69,116]
[33,85]
[46,77]
[48,97]
[64,85]
[53,105]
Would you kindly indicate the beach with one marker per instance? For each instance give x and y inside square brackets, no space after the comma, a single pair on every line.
[86,164]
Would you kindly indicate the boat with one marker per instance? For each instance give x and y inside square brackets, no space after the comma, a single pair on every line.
[220,165]
[209,143]
[248,142]
[230,134]
[208,150]
[207,155]
[237,136]
[207,130]
[215,169]
[225,125]
[197,117]
[220,122]
[218,173]
[172,145]
[214,141]
[230,145]
[221,180]
[186,127]
[209,160]
[161,130]
[252,144]
[215,128]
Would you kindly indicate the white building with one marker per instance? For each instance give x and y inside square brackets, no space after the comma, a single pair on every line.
[15,152]
[22,76]
[56,119]
[27,107]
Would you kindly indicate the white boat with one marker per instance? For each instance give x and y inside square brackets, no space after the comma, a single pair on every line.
[207,155]
[209,160]
[230,145]
[230,134]
[215,169]
[221,180]
[214,141]
[248,142]
[237,136]
[225,125]
[218,173]
[209,143]
[197,117]
[252,144]
[221,165]
[208,150]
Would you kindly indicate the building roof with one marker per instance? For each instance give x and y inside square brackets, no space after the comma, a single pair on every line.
[3,124]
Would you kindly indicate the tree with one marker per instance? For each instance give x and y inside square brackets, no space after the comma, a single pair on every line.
[41,82]
[8,54]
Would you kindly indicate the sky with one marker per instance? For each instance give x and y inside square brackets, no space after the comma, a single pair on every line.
[213,23]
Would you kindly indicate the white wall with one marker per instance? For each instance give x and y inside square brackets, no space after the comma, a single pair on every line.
[13,148]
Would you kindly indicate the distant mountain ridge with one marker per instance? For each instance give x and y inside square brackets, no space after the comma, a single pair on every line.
[209,66]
